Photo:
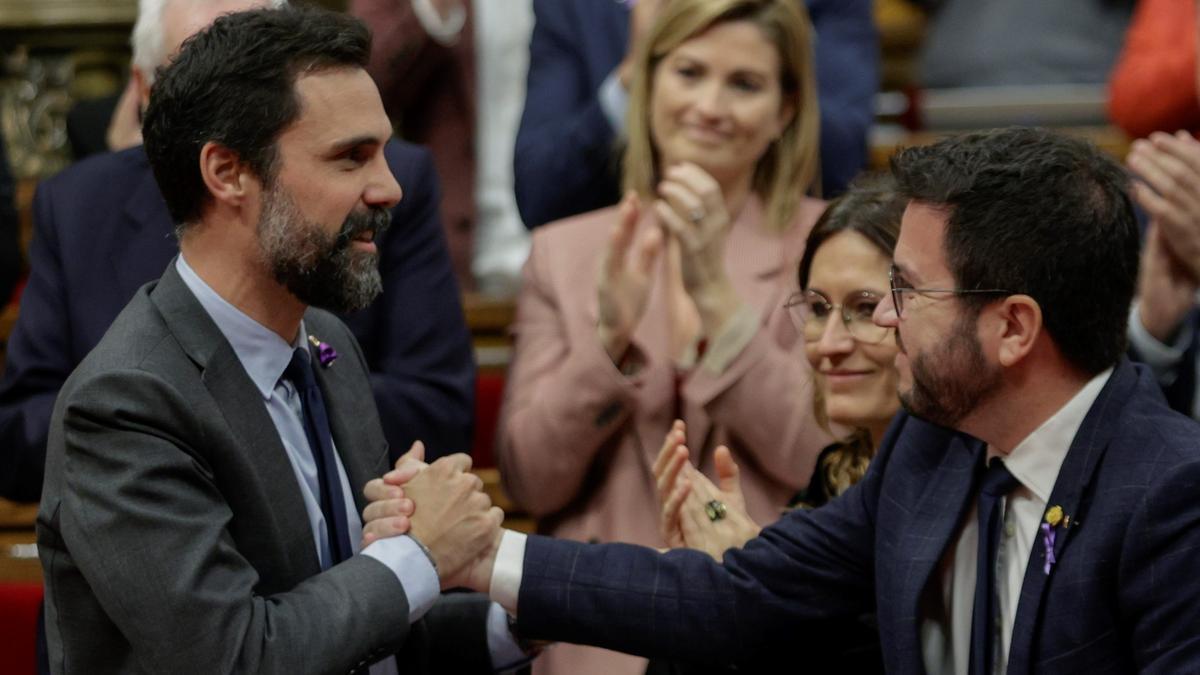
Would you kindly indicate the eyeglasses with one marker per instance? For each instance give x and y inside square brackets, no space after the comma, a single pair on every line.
[811,310]
[900,286]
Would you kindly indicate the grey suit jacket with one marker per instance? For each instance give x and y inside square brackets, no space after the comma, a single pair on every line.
[173,535]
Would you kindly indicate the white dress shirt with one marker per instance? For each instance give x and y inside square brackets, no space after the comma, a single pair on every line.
[1035,462]
[1163,359]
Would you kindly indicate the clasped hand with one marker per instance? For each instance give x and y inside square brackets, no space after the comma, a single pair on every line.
[444,507]
[692,216]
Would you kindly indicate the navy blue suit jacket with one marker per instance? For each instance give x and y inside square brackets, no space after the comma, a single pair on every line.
[565,160]
[102,230]
[1122,598]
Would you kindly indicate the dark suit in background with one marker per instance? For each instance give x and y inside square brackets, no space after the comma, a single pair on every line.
[102,230]
[566,158]
[1122,597]
[173,536]
[10,244]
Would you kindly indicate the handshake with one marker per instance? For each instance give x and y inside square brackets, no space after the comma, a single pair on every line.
[443,507]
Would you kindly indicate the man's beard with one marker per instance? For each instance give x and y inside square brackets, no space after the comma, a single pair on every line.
[950,384]
[320,269]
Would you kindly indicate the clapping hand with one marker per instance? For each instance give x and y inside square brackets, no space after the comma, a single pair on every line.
[694,512]
[692,209]
[623,287]
[1169,166]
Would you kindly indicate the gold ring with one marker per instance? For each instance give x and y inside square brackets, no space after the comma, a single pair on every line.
[715,510]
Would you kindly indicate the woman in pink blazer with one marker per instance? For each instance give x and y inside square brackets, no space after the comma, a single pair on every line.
[671,304]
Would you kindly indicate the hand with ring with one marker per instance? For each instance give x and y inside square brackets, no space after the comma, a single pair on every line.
[691,207]
[695,513]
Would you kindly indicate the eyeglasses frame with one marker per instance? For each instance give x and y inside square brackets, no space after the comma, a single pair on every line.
[898,291]
[798,298]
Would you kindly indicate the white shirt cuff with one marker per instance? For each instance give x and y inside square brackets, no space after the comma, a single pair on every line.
[614,101]
[1163,359]
[412,569]
[444,31]
[507,570]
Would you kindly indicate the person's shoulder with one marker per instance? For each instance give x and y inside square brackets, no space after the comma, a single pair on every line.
[1148,424]
[576,13]
[578,231]
[106,171]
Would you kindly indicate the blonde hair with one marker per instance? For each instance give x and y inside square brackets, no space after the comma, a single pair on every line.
[790,167]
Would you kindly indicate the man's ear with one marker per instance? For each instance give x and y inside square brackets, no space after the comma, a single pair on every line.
[1018,326]
[224,174]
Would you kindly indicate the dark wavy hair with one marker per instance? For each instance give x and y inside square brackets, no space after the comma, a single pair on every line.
[233,83]
[872,208]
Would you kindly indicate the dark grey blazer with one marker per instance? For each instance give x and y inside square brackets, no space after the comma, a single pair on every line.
[173,535]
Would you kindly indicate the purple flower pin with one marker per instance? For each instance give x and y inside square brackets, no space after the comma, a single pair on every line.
[1048,543]
[1054,516]
[325,354]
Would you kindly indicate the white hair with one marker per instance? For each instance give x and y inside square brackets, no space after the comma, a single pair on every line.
[149,52]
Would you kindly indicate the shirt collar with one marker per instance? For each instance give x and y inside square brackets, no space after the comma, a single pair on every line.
[263,354]
[1037,459]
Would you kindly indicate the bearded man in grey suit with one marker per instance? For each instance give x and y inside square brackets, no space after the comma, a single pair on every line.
[206,460]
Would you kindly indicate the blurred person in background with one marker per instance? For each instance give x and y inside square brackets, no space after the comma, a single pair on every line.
[686,317]
[10,241]
[433,60]
[843,278]
[1153,97]
[102,229]
[582,57]
[1020,42]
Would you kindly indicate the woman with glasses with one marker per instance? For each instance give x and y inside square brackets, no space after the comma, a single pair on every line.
[844,275]
[671,304]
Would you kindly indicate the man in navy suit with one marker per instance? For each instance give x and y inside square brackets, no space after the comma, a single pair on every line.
[1034,459]
[574,103]
[101,230]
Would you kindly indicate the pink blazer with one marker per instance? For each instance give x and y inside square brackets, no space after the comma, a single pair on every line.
[578,439]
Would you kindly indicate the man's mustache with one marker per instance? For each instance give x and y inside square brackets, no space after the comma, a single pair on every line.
[377,220]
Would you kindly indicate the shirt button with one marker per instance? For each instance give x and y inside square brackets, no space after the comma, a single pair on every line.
[1009,530]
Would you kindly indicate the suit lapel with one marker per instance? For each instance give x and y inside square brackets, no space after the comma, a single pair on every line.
[933,527]
[1069,492]
[144,238]
[244,412]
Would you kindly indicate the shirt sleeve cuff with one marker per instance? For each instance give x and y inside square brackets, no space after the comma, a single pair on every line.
[614,101]
[444,31]
[507,570]
[507,655]
[412,569]
[733,337]
[1163,359]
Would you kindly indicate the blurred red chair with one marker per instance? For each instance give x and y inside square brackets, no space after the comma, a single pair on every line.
[19,604]
[489,391]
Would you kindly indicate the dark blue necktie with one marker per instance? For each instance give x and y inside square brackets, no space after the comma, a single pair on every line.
[320,442]
[995,484]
